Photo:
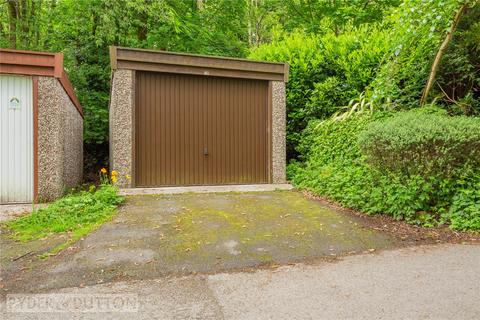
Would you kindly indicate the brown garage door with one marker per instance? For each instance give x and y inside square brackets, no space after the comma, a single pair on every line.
[194,130]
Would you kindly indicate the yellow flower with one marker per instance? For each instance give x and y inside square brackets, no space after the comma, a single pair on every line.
[127,177]
[114,179]
[114,173]
[103,170]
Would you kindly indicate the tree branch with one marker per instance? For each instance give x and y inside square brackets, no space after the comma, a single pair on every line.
[439,55]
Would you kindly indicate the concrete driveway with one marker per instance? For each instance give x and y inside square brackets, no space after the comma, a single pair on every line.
[157,236]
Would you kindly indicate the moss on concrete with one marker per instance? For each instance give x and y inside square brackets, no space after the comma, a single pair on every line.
[264,227]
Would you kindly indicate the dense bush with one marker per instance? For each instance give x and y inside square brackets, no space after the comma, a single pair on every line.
[390,61]
[335,167]
[464,213]
[326,72]
[414,143]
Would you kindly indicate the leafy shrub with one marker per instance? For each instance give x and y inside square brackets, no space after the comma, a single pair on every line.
[413,143]
[333,141]
[333,166]
[327,96]
[464,214]
[300,51]
[80,211]
[326,72]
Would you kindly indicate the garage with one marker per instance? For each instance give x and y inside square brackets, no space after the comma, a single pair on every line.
[41,128]
[180,119]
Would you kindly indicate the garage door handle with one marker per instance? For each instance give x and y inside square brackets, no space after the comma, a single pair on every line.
[205,151]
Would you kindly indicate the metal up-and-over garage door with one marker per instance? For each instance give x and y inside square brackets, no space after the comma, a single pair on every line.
[16,139]
[196,130]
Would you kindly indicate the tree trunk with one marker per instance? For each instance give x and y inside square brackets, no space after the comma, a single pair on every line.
[24,22]
[34,24]
[438,57]
[142,28]
[12,22]
[49,29]
[252,11]
[36,5]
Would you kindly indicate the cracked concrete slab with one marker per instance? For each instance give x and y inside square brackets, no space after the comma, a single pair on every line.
[13,211]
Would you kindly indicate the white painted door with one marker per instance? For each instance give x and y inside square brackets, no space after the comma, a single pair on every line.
[16,139]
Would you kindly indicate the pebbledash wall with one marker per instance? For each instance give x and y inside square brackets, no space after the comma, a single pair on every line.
[60,140]
[126,62]
[57,121]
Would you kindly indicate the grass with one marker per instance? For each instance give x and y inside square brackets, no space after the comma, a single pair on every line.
[78,214]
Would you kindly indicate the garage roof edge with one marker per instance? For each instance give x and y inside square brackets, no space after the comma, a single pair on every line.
[174,62]
[37,63]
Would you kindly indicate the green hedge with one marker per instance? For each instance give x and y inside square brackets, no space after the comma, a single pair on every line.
[326,72]
[334,166]
[415,143]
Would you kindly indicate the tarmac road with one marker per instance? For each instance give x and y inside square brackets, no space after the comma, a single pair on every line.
[427,282]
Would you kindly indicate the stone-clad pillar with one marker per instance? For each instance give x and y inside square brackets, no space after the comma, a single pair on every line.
[278,132]
[121,122]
